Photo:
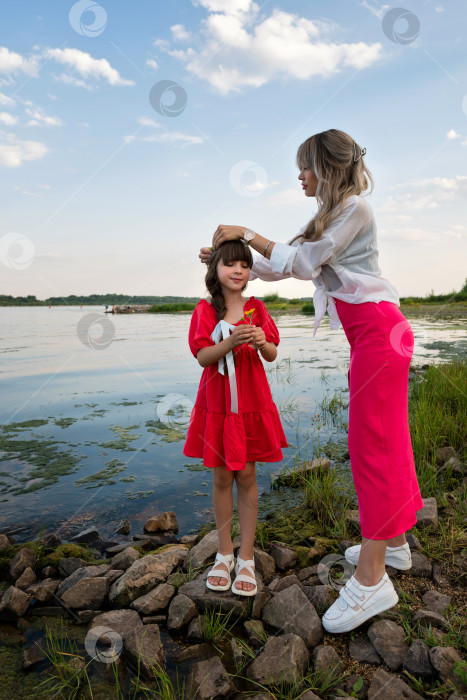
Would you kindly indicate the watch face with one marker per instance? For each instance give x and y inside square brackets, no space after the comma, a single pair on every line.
[249,235]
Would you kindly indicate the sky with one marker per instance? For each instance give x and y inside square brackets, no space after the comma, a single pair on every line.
[130,131]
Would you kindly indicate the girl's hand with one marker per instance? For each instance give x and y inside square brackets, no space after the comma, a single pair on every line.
[242,334]
[227,233]
[259,337]
[205,254]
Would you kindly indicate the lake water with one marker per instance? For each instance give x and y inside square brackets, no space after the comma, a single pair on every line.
[95,407]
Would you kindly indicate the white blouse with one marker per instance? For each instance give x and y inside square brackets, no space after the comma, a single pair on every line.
[342,264]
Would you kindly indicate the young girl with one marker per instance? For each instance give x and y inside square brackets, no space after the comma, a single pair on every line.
[338,251]
[234,422]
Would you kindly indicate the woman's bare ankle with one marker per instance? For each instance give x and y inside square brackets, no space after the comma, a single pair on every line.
[397,541]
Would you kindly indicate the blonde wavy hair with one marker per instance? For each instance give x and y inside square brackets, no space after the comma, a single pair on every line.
[330,155]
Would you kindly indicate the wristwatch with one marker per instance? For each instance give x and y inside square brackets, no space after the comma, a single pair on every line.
[248,236]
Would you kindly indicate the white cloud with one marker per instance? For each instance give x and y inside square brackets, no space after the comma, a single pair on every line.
[8,119]
[378,12]
[87,66]
[171,137]
[39,118]
[179,32]
[45,187]
[426,194]
[145,121]
[456,231]
[70,80]
[14,152]
[239,48]
[152,63]
[5,100]
[451,135]
[11,63]
[408,235]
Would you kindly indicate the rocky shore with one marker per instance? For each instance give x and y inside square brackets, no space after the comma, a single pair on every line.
[140,602]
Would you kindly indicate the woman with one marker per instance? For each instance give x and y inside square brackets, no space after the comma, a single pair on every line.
[337,250]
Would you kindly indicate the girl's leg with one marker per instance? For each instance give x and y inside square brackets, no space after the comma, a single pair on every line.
[222,498]
[247,507]
[371,562]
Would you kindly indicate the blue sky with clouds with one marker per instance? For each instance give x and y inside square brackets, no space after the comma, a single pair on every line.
[106,190]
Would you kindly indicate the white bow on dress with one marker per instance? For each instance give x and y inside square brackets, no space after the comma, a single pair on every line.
[222,329]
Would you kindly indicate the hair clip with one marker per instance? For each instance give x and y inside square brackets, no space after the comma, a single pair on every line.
[354,153]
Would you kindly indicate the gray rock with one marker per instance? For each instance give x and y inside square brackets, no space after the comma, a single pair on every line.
[206,599]
[91,534]
[284,556]
[436,601]
[209,679]
[283,659]
[124,559]
[4,542]
[51,540]
[113,574]
[444,659]
[78,574]
[86,593]
[23,559]
[429,617]
[14,602]
[188,539]
[417,661]
[196,628]
[283,582]
[117,548]
[181,611]
[34,654]
[413,542]
[162,522]
[255,632]
[421,565]
[326,661]
[290,610]
[259,601]
[148,541]
[27,578]
[43,591]
[49,572]
[444,453]
[361,649]
[438,577]
[155,600]
[68,565]
[194,651]
[203,552]
[308,572]
[145,573]
[428,515]
[264,564]
[387,686]
[123,527]
[121,621]
[143,646]
[388,640]
[155,620]
[319,596]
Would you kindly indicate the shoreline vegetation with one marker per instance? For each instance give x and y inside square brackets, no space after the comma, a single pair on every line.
[451,305]
[176,640]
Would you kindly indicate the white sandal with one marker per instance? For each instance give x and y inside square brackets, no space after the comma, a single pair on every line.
[228,560]
[250,565]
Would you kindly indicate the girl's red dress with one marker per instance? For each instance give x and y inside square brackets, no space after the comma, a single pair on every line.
[255,433]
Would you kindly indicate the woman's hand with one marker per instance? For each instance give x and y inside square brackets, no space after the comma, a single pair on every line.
[227,233]
[205,254]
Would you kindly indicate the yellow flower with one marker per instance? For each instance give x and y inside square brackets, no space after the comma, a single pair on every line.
[248,315]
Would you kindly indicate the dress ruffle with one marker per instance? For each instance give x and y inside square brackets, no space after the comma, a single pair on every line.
[231,439]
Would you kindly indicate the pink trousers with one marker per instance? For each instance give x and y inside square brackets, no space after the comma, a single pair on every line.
[381,346]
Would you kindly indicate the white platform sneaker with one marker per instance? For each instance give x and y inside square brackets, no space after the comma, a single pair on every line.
[357,603]
[397,557]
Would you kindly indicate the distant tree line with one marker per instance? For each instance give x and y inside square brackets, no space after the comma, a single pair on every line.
[174,302]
